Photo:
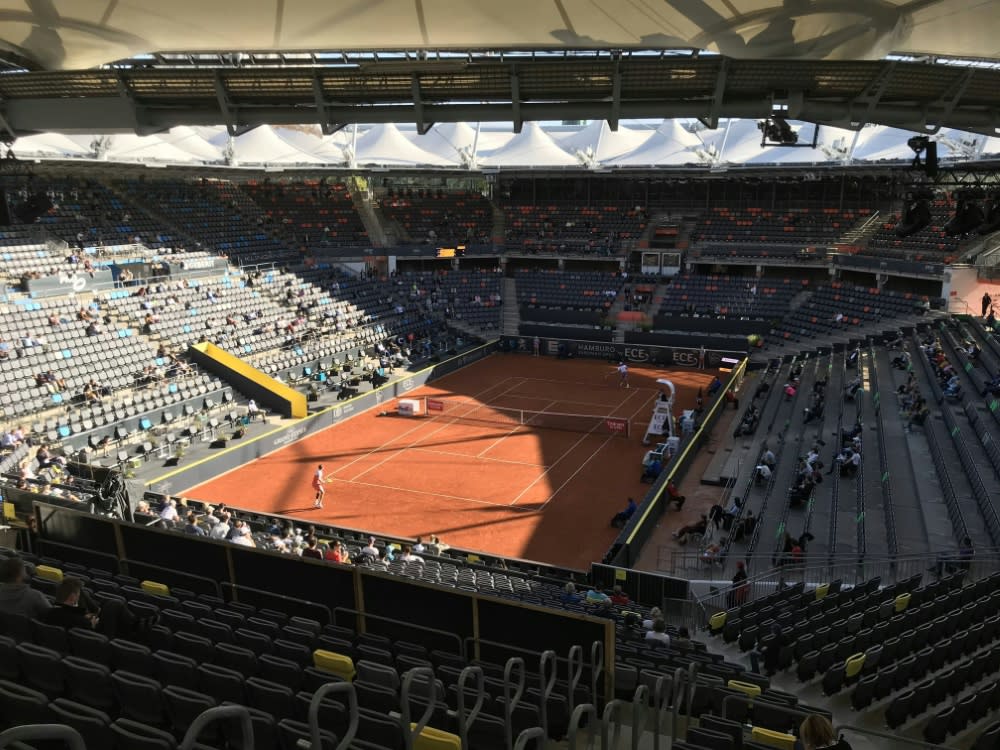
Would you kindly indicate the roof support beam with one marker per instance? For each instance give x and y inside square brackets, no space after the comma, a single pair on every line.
[418,105]
[954,95]
[320,99]
[515,100]
[616,98]
[222,96]
[870,97]
[712,121]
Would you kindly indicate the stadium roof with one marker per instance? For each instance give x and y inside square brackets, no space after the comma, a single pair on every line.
[86,33]
[131,66]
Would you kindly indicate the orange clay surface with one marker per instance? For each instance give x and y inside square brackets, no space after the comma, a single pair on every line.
[519,491]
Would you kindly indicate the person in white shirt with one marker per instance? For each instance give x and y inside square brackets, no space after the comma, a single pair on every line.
[221,529]
[763,474]
[253,411]
[169,512]
[658,633]
[408,555]
[622,375]
[370,549]
[243,535]
[419,546]
[654,615]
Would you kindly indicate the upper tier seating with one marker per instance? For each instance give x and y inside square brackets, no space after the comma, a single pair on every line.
[729,296]
[215,214]
[845,306]
[573,290]
[757,231]
[577,229]
[316,212]
[928,245]
[438,216]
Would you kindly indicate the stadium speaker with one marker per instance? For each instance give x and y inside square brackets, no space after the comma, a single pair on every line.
[219,443]
[930,159]
[4,209]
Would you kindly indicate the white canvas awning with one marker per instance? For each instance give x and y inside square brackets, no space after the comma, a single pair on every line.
[532,147]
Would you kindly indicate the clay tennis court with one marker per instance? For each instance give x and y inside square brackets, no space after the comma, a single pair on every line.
[473,475]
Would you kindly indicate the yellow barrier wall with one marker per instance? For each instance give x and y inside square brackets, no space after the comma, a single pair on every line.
[256,384]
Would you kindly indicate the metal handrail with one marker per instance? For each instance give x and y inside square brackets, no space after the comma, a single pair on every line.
[219,713]
[31,732]
[352,712]
[841,728]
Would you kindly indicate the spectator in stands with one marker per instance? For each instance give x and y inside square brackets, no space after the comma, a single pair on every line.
[816,733]
[682,641]
[337,553]
[618,596]
[435,546]
[685,532]
[16,595]
[762,474]
[740,588]
[254,411]
[598,599]
[654,615]
[243,535]
[622,517]
[311,549]
[418,546]
[659,633]
[169,511]
[222,529]
[191,525]
[370,549]
[569,595]
[407,556]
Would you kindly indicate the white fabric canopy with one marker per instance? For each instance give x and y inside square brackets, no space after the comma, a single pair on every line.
[598,143]
[451,140]
[187,139]
[129,147]
[670,143]
[263,146]
[385,145]
[49,145]
[532,147]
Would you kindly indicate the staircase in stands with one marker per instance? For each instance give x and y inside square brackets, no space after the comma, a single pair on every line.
[511,316]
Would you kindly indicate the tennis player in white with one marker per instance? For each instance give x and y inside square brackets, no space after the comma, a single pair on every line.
[622,375]
[317,484]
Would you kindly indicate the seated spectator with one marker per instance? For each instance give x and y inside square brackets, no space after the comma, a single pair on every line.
[569,595]
[337,553]
[311,549]
[618,596]
[816,733]
[682,641]
[222,529]
[75,608]
[169,511]
[685,532]
[408,556]
[598,599]
[16,595]
[191,526]
[654,615]
[243,535]
[435,546]
[762,474]
[659,633]
[622,517]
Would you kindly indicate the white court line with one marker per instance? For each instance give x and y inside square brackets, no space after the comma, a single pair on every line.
[420,424]
[434,494]
[499,440]
[480,458]
[588,459]
[402,450]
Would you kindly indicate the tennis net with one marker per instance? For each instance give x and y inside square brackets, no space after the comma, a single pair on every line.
[469,411]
